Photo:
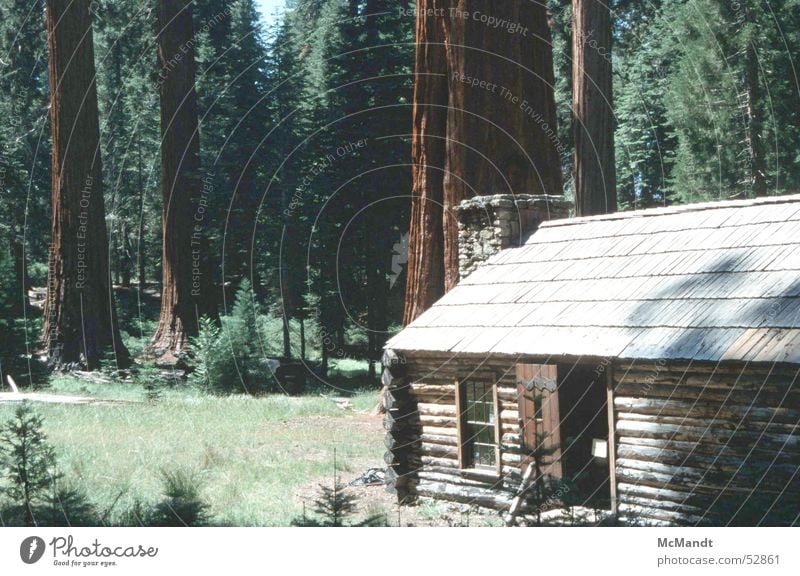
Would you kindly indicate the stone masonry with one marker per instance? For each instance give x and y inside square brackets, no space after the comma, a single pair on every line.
[488,224]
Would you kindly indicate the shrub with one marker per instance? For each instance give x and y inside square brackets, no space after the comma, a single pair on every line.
[16,333]
[35,494]
[27,460]
[335,507]
[229,359]
[182,505]
[149,377]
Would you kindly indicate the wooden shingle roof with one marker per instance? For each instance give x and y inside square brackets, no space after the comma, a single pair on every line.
[716,281]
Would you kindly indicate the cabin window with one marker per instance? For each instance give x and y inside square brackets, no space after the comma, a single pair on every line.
[478,433]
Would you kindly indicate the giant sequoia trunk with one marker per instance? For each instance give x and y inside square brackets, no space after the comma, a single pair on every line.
[425,273]
[79,322]
[488,67]
[186,285]
[593,109]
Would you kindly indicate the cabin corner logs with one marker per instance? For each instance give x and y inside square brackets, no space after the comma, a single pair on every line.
[690,443]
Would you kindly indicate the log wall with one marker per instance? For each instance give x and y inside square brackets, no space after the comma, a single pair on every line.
[707,444]
[424,447]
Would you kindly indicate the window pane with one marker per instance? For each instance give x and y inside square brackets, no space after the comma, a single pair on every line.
[480,440]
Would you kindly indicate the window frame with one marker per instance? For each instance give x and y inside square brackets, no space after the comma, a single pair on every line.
[466,458]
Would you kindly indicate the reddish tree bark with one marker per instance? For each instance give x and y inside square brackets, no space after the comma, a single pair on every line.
[80,321]
[500,134]
[186,293]
[425,272]
[594,168]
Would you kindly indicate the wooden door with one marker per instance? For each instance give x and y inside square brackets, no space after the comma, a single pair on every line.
[538,383]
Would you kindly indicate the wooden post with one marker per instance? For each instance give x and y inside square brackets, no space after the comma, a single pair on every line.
[460,425]
[612,439]
[498,434]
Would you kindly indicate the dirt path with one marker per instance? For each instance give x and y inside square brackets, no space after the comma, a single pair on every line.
[374,500]
[11,397]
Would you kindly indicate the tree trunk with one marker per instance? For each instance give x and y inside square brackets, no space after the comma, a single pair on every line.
[503,134]
[186,292]
[756,149]
[116,252]
[594,168]
[80,320]
[140,240]
[127,260]
[425,272]
[20,302]
[500,134]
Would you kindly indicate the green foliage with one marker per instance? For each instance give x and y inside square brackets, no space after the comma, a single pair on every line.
[27,458]
[688,127]
[34,493]
[181,505]
[150,378]
[335,507]
[230,359]
[210,361]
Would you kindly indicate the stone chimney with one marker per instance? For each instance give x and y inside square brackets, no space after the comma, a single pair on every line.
[489,224]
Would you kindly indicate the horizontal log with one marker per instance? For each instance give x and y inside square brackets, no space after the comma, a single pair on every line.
[676,482]
[671,500]
[489,482]
[775,476]
[730,462]
[448,410]
[434,398]
[464,494]
[437,431]
[741,451]
[635,514]
[419,388]
[705,434]
[674,367]
[428,368]
[703,408]
[442,439]
[511,474]
[439,450]
[508,428]
[510,416]
[661,505]
[651,493]
[766,397]
[713,424]
[508,395]
[444,463]
[745,380]
[437,421]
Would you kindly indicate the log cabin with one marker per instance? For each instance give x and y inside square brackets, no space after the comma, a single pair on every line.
[642,362]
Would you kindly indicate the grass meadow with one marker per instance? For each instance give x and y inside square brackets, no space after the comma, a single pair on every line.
[250,455]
